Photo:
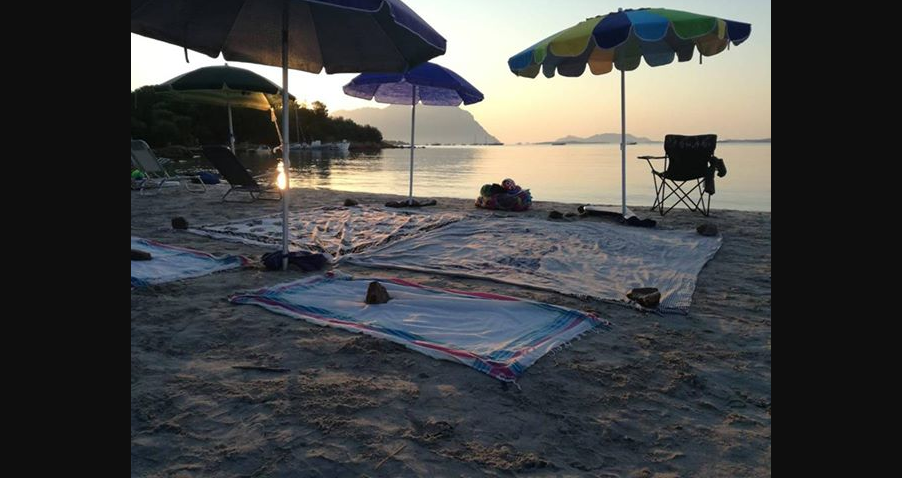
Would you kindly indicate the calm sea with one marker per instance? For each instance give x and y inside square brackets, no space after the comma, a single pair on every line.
[569,173]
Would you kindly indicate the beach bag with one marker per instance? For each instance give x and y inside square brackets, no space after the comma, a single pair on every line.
[306,261]
[517,200]
[206,177]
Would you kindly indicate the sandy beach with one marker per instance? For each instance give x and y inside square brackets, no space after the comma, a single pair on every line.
[654,396]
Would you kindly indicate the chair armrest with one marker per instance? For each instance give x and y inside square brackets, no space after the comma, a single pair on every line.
[651,157]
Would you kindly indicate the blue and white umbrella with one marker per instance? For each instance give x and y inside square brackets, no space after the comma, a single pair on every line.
[428,83]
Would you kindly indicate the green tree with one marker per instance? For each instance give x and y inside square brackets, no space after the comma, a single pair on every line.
[161,122]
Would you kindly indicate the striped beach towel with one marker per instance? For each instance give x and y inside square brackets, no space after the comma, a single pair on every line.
[170,263]
[498,335]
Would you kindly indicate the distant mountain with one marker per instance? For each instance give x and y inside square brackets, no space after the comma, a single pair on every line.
[763,140]
[435,124]
[602,138]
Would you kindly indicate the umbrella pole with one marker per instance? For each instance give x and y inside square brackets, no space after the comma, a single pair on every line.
[623,140]
[272,117]
[286,161]
[413,122]
[297,124]
[231,130]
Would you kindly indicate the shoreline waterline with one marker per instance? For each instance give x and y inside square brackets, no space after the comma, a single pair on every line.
[585,174]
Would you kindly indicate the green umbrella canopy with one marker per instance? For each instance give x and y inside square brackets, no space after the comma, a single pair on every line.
[224,86]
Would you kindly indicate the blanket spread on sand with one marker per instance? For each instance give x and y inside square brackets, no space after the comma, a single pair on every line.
[497,335]
[585,259]
[332,230]
[169,263]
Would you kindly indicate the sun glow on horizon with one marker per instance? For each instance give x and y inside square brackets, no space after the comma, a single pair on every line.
[281,181]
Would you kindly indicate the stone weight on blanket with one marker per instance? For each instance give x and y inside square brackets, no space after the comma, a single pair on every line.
[648,297]
[707,229]
[140,255]
[179,223]
[376,294]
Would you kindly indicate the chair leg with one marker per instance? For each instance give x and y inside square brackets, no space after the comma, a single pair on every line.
[154,187]
[703,203]
[261,195]
[697,205]
[657,192]
[686,198]
[673,191]
[233,188]
[683,196]
[187,183]
[664,194]
[700,204]
[654,177]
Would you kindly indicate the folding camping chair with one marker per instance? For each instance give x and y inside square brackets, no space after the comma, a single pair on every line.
[237,175]
[686,159]
[156,176]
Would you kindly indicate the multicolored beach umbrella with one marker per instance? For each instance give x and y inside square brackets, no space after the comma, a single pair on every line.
[620,39]
[342,36]
[225,86]
[427,83]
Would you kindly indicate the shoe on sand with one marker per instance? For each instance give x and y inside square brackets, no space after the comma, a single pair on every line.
[411,203]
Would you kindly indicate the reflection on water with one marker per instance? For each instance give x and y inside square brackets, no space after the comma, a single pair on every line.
[570,173]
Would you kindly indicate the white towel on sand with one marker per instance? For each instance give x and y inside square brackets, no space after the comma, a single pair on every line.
[169,263]
[585,259]
[335,230]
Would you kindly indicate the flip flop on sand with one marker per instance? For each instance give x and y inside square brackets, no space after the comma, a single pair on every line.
[569,216]
[635,221]
[411,203]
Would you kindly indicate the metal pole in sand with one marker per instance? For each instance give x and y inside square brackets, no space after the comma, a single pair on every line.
[413,122]
[286,161]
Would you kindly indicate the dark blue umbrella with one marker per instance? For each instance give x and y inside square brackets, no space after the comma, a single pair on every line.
[342,36]
[427,83]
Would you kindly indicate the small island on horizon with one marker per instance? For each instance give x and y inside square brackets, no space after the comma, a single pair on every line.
[614,138]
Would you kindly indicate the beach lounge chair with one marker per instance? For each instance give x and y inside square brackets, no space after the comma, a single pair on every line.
[237,175]
[155,174]
[686,159]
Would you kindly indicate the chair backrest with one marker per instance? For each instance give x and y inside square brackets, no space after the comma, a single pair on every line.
[228,165]
[688,156]
[144,158]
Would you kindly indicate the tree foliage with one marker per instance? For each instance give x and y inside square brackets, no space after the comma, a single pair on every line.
[162,122]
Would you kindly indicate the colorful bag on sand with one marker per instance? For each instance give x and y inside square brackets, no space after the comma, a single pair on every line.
[513,198]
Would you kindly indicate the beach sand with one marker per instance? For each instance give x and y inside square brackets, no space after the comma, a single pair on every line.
[655,396]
